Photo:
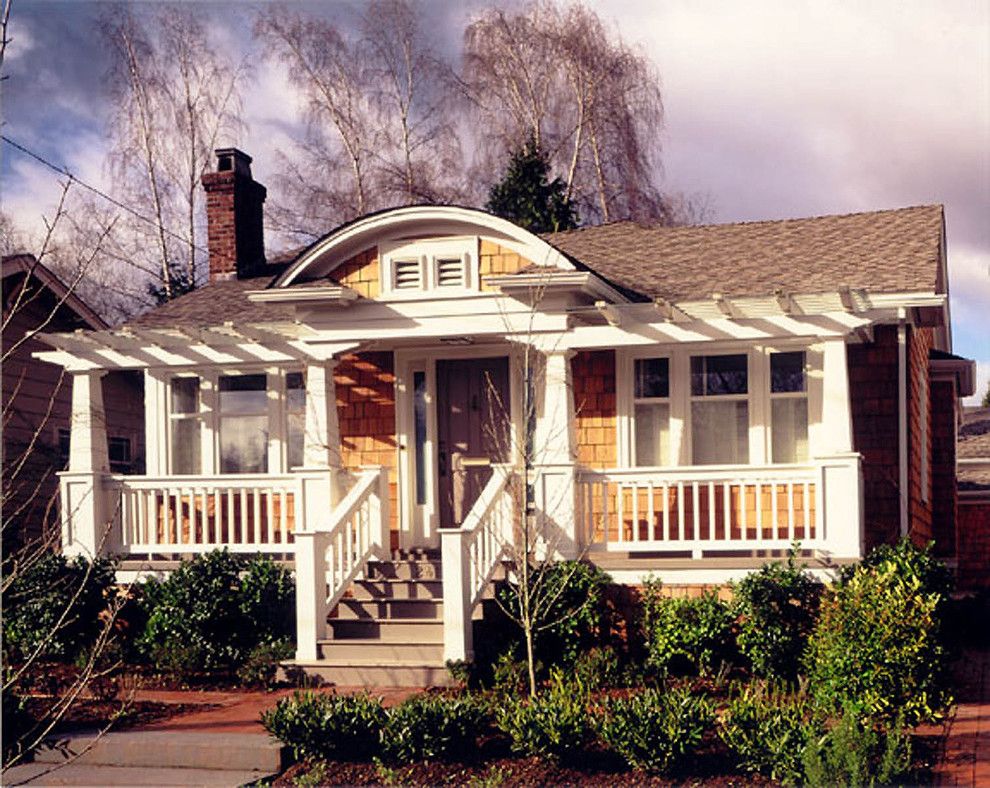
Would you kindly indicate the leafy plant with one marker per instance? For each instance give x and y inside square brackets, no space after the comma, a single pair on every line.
[598,668]
[329,726]
[686,633]
[268,600]
[653,730]
[261,665]
[767,729]
[427,727]
[554,725]
[52,608]
[776,609]
[509,674]
[877,643]
[857,753]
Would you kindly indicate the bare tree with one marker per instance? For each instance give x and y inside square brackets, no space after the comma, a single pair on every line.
[556,74]
[174,94]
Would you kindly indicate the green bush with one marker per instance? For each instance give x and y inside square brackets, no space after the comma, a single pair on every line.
[555,725]
[685,634]
[429,727]
[268,600]
[511,675]
[767,729]
[776,609]
[655,730]
[261,665]
[52,607]
[575,616]
[856,753]
[598,668]
[878,644]
[332,727]
[212,611]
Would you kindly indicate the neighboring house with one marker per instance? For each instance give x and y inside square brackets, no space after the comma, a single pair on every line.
[973,523]
[37,396]
[704,398]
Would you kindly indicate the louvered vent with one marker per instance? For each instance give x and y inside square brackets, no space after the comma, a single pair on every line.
[450,272]
[407,276]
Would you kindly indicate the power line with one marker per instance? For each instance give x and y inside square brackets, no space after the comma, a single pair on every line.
[135,213]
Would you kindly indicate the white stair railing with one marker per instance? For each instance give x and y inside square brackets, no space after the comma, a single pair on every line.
[470,555]
[331,556]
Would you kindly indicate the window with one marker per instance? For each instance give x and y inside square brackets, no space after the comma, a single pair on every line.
[186,424]
[788,407]
[720,409]
[295,406]
[243,424]
[651,411]
[414,267]
[119,453]
[419,424]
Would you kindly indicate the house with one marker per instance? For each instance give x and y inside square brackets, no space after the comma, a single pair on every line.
[973,521]
[703,397]
[36,400]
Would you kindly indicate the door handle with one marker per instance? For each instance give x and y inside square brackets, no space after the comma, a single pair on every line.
[476,462]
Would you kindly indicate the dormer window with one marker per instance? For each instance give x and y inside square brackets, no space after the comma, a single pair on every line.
[419,268]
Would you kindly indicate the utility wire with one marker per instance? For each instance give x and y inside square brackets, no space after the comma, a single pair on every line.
[135,213]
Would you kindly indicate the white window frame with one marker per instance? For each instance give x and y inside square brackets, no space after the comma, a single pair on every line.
[668,401]
[428,253]
[748,397]
[775,395]
[680,397]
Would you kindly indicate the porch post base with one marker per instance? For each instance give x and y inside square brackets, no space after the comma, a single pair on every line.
[311,593]
[841,503]
[85,530]
[457,633]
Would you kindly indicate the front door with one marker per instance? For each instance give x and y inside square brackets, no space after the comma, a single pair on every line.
[472,430]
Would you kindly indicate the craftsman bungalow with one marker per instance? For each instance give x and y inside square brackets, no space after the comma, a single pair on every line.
[704,397]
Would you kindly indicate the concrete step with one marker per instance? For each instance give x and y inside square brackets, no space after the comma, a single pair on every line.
[393,609]
[385,588]
[371,673]
[169,749]
[416,554]
[405,570]
[75,774]
[376,652]
[385,630]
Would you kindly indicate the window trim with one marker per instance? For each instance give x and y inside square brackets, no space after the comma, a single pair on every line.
[781,395]
[634,400]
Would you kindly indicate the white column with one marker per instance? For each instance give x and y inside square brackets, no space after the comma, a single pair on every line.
[840,497]
[84,508]
[322,441]
[311,593]
[155,424]
[457,627]
[554,452]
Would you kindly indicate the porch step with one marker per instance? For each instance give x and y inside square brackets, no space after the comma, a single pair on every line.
[405,569]
[396,609]
[373,673]
[392,588]
[387,630]
[373,651]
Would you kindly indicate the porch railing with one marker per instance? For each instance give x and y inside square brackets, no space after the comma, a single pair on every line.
[471,554]
[702,509]
[337,551]
[193,514]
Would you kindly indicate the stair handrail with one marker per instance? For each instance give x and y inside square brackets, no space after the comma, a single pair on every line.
[471,554]
[336,552]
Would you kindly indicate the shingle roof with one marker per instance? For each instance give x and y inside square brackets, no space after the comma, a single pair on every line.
[974,435]
[882,251]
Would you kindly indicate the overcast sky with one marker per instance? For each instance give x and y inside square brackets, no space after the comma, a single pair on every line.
[773,110]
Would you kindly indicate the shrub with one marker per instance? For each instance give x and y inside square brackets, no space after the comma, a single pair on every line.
[767,730]
[510,675]
[854,752]
[53,607]
[17,725]
[332,727]
[268,600]
[598,668]
[428,727]
[555,725]
[877,643]
[576,618]
[261,665]
[685,633]
[776,609]
[654,730]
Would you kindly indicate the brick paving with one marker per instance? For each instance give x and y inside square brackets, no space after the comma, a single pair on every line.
[966,751]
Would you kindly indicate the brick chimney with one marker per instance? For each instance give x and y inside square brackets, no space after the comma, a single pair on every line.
[234,202]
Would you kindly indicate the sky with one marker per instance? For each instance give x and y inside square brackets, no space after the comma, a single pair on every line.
[773,109]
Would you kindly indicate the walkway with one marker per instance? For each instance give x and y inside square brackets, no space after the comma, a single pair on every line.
[966,759]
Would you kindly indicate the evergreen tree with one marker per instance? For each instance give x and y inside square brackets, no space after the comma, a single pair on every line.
[526,196]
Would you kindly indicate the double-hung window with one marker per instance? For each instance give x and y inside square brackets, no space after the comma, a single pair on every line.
[185,425]
[720,409]
[295,407]
[651,411]
[243,423]
[788,407]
